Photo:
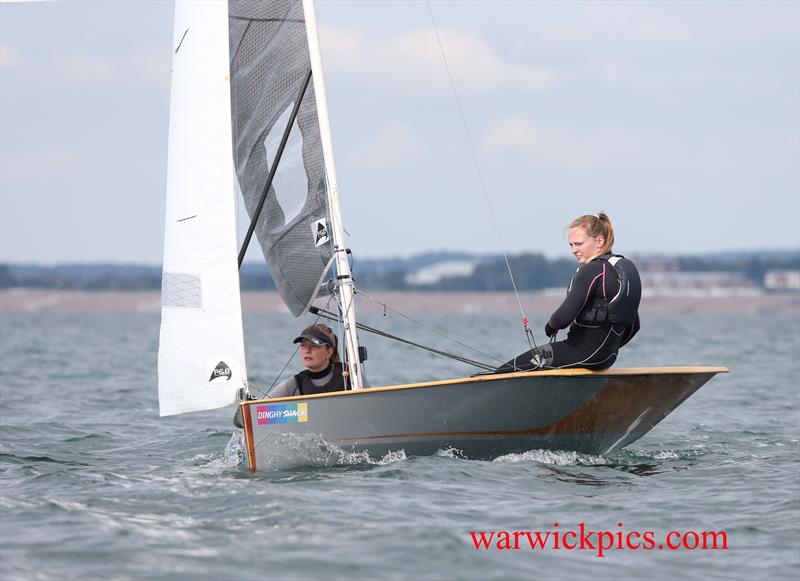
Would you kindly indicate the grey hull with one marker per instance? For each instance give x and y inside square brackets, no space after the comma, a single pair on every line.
[482,417]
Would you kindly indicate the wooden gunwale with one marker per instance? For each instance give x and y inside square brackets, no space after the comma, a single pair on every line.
[621,372]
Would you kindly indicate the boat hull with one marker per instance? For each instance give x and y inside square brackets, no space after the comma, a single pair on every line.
[481,417]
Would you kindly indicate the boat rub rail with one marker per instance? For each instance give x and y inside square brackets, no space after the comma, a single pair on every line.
[621,372]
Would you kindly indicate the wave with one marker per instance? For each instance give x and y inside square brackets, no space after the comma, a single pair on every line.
[292,451]
[27,460]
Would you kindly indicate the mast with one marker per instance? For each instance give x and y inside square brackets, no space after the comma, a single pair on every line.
[345,281]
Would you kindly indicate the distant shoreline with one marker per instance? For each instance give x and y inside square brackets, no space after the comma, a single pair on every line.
[21,300]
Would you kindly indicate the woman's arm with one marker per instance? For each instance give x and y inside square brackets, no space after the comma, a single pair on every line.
[630,331]
[588,277]
[286,388]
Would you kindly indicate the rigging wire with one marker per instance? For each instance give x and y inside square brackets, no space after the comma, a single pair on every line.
[342,307]
[341,346]
[263,391]
[429,327]
[340,323]
[527,330]
[332,316]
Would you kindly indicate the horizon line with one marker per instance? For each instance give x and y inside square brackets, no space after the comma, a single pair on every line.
[647,255]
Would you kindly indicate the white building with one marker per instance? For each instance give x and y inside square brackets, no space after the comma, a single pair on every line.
[697,284]
[782,280]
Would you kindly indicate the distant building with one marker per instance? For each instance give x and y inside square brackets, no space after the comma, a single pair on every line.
[436,272]
[782,280]
[697,284]
[656,263]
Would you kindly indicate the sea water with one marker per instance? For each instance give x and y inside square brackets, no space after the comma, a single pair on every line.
[94,485]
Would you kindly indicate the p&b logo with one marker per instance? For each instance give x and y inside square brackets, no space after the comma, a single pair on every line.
[320,231]
[221,370]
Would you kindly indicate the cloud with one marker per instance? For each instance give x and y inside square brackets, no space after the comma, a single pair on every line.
[573,44]
[564,146]
[9,58]
[476,67]
[340,45]
[411,63]
[86,70]
[93,70]
[673,46]
[666,25]
[51,161]
[393,146]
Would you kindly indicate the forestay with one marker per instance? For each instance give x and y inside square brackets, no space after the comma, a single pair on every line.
[269,60]
[201,362]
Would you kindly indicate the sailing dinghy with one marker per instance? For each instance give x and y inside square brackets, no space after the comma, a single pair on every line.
[248,113]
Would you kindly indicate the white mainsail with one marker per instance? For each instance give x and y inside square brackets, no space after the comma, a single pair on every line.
[201,362]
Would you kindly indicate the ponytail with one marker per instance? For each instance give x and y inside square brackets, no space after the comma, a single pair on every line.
[597,225]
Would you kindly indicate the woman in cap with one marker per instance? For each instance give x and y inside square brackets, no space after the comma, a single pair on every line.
[601,307]
[323,372]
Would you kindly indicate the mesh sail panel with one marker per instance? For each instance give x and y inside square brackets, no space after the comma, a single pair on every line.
[269,61]
[181,290]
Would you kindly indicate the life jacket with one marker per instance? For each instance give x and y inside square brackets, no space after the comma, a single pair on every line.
[623,307]
[306,387]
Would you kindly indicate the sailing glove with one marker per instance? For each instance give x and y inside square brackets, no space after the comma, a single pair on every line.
[548,330]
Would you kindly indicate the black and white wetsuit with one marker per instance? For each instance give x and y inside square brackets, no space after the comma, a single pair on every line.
[589,343]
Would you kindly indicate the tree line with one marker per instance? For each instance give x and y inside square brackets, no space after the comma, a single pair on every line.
[489,273]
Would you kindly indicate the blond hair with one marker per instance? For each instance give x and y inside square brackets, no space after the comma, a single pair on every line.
[597,225]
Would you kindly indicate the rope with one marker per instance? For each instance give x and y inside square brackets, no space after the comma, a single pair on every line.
[263,391]
[332,316]
[430,328]
[527,330]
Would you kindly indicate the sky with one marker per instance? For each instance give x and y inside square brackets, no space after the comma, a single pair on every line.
[681,120]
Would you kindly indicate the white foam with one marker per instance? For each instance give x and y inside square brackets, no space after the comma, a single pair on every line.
[556,457]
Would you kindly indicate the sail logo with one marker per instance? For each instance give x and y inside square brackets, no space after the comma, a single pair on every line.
[221,370]
[286,413]
[320,231]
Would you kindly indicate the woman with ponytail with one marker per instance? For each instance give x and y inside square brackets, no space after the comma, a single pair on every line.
[601,307]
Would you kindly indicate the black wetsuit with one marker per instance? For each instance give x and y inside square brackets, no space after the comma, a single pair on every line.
[589,344]
[310,383]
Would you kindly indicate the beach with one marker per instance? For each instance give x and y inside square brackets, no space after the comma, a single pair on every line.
[36,300]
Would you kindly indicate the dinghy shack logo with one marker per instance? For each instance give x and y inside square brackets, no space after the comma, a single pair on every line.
[287,413]
[221,370]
